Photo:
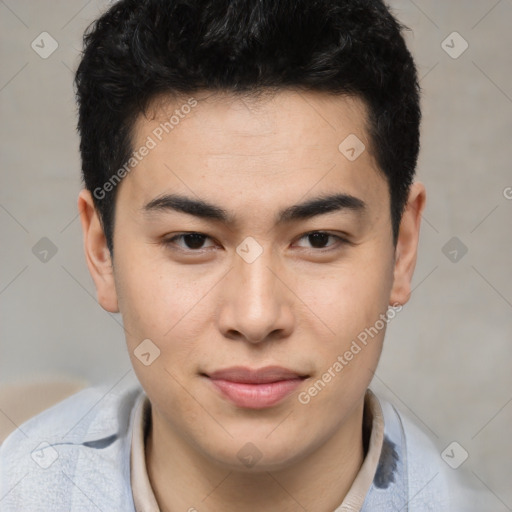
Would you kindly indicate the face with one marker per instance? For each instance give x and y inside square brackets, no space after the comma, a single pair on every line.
[260,281]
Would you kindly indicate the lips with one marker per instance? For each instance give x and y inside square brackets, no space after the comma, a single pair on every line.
[255,388]
[264,375]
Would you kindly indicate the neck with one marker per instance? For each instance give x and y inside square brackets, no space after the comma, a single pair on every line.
[184,479]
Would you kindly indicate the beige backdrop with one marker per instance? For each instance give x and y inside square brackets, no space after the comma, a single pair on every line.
[447,357]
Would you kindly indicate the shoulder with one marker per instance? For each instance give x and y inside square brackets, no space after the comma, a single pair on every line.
[83,440]
[432,484]
[84,416]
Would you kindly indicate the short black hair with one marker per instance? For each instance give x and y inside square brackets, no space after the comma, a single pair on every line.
[140,49]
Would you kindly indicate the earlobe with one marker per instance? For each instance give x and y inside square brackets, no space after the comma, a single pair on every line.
[97,254]
[407,245]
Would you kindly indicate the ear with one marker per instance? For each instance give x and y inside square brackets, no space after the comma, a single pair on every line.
[97,254]
[407,245]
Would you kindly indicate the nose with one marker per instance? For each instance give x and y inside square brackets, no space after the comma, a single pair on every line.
[255,302]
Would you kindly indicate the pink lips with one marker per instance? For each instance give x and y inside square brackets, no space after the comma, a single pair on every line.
[255,389]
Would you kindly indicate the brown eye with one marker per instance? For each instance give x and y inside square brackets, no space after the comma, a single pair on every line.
[192,241]
[319,239]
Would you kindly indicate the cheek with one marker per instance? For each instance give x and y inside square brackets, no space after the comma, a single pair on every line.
[166,305]
[349,304]
[152,297]
[347,358]
[350,298]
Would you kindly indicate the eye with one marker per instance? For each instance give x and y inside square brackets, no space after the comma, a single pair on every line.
[193,241]
[318,239]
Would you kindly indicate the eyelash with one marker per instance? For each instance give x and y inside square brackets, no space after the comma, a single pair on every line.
[170,243]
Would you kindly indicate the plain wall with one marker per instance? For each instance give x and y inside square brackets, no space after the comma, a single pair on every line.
[447,355]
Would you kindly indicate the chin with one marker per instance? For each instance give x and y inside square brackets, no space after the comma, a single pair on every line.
[257,454]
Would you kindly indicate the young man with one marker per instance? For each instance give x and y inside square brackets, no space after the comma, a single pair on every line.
[249,209]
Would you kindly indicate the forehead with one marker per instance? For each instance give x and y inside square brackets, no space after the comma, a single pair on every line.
[247,149]
[300,118]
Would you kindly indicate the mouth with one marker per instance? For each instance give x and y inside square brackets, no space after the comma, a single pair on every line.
[255,388]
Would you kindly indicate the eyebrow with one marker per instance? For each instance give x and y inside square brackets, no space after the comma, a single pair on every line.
[199,208]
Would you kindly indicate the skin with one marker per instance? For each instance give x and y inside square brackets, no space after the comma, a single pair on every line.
[297,305]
